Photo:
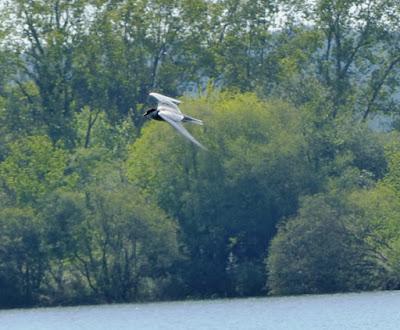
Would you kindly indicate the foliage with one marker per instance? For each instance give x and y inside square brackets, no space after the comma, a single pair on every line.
[32,168]
[120,247]
[22,257]
[320,251]
[357,58]
[97,205]
[229,199]
[379,218]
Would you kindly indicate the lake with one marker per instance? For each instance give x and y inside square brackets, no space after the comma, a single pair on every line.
[374,310]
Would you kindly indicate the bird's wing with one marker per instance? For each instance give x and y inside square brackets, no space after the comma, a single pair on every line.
[161,97]
[166,102]
[171,119]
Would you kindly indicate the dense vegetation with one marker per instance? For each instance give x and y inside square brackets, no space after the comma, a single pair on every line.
[299,191]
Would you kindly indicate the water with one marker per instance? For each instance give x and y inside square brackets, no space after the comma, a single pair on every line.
[377,310]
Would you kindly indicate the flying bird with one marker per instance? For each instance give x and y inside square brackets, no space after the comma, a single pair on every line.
[167,110]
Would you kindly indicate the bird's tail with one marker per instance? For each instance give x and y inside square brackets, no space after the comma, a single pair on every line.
[188,119]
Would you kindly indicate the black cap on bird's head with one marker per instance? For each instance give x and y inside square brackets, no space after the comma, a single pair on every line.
[149,111]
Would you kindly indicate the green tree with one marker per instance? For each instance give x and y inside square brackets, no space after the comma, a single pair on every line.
[33,168]
[229,199]
[134,47]
[126,246]
[44,36]
[322,251]
[240,42]
[23,259]
[62,214]
[357,58]
[378,219]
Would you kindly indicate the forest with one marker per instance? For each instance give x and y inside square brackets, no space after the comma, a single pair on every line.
[298,192]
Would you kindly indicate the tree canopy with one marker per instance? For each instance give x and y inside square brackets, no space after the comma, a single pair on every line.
[297,193]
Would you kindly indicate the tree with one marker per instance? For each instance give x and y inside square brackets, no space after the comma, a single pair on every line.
[23,259]
[125,246]
[322,251]
[378,218]
[32,169]
[227,200]
[134,47]
[44,35]
[357,59]
[62,214]
[240,42]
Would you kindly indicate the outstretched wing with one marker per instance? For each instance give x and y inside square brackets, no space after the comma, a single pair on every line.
[166,102]
[171,119]
[161,97]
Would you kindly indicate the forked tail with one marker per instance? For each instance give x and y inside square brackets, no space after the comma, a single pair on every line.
[188,119]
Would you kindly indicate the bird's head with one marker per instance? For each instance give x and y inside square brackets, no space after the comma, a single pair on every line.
[149,111]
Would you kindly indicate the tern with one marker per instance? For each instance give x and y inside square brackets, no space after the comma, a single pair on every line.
[168,110]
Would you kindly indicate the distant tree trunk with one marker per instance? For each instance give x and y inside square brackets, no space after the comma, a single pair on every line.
[91,122]
[378,86]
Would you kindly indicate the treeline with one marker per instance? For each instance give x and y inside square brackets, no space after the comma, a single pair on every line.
[299,191]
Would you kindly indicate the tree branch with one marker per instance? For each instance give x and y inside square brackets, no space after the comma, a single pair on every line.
[378,87]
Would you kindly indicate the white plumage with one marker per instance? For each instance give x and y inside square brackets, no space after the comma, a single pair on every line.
[168,110]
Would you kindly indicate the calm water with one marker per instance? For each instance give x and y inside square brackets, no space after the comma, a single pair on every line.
[378,310]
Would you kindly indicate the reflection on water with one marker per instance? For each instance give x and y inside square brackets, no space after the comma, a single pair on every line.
[377,310]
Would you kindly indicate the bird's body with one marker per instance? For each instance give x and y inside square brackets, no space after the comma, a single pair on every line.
[168,111]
